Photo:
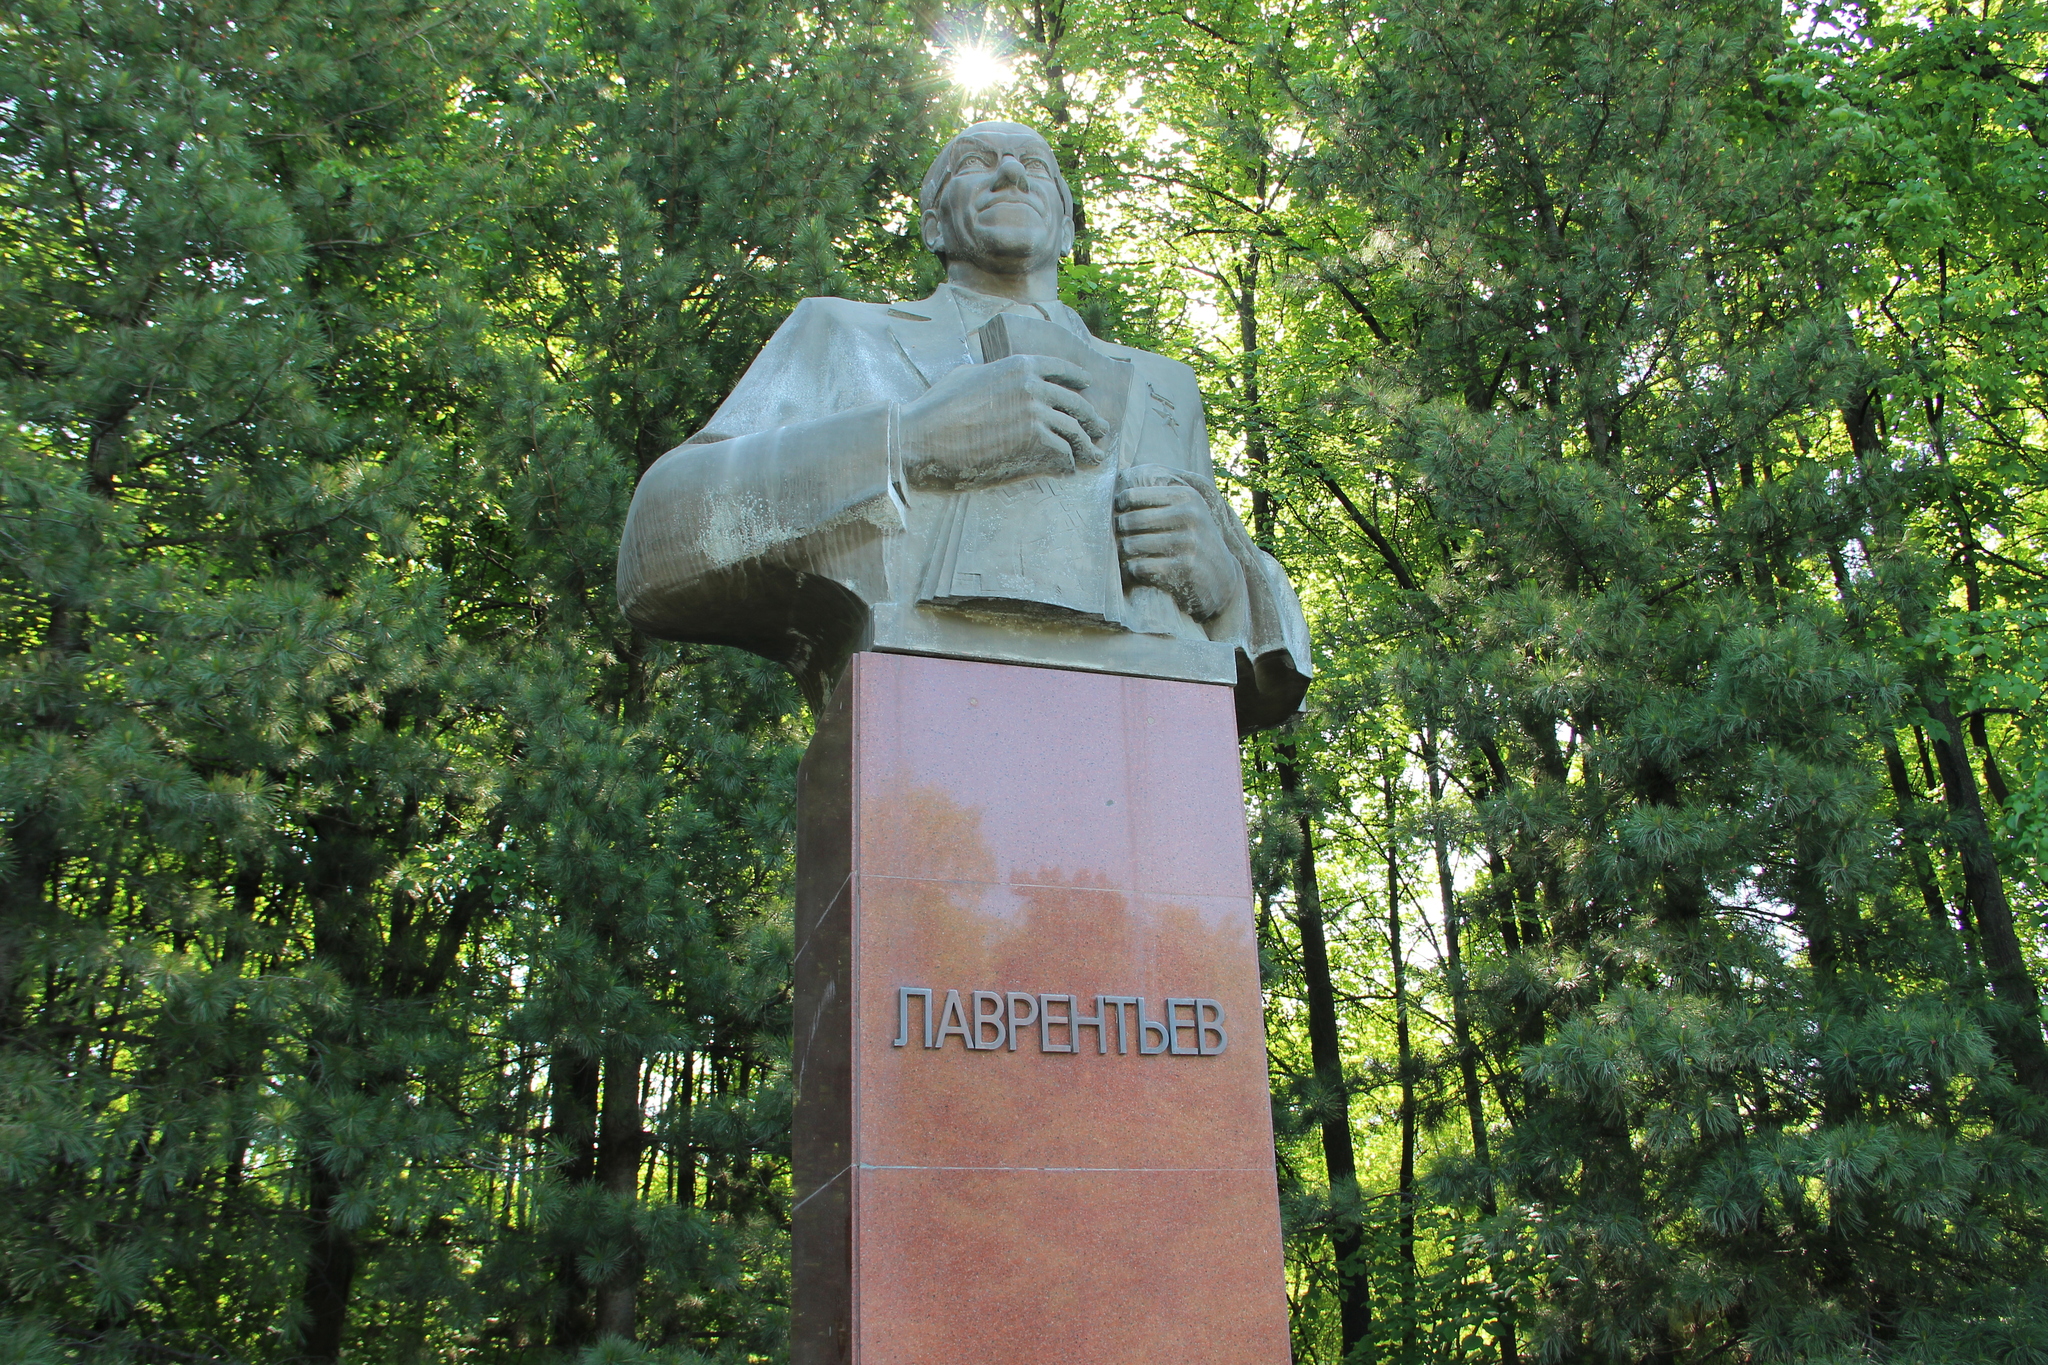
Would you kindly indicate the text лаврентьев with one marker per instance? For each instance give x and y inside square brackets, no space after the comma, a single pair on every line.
[990,1021]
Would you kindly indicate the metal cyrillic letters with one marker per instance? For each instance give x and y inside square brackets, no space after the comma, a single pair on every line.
[1147,1028]
[903,995]
[1123,1020]
[1093,1021]
[1020,1022]
[953,1020]
[1046,1020]
[1206,1026]
[1189,1025]
[988,1018]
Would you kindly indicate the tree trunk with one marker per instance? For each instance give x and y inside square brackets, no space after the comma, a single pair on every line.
[686,1158]
[1461,1033]
[330,1269]
[2005,963]
[1994,776]
[1916,850]
[343,864]
[572,1090]
[1258,453]
[619,1144]
[1347,1237]
[1404,1054]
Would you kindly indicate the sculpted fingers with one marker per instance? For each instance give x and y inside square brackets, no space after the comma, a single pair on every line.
[1160,548]
[1076,407]
[1163,495]
[1158,520]
[1029,371]
[1154,534]
[1148,571]
[1170,575]
[1068,440]
[1056,371]
[1071,430]
[1168,539]
[1138,521]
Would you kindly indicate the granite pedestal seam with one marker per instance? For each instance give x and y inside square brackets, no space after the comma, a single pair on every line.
[1048,845]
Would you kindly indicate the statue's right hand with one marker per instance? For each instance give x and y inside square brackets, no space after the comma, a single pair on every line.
[1013,418]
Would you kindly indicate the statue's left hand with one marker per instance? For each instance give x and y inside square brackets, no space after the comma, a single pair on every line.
[1169,539]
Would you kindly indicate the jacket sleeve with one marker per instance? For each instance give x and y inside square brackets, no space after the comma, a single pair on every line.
[764,530]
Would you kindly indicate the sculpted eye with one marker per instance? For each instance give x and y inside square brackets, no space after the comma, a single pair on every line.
[974,160]
[1036,163]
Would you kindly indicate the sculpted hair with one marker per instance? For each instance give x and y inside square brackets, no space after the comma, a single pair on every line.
[944,164]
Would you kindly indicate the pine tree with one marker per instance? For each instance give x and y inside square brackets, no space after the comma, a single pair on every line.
[1605,363]
[395,953]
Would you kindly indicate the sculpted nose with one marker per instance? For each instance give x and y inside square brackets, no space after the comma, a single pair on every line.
[1010,172]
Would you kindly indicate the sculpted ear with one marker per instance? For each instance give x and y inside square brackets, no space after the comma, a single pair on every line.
[1067,236]
[932,228]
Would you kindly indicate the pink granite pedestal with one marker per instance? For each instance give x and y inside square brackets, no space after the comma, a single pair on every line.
[1060,1192]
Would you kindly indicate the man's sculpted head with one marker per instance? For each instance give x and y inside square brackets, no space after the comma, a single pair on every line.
[994,196]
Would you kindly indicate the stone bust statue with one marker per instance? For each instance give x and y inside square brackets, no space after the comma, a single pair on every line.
[970,475]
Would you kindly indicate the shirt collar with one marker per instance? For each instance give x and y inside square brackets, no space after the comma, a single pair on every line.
[977,308]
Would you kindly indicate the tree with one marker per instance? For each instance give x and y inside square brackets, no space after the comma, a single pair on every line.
[395,947]
[1604,362]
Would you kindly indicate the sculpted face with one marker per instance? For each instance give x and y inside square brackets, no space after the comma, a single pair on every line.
[1002,207]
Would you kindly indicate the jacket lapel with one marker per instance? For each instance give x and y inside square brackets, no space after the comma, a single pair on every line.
[931,335]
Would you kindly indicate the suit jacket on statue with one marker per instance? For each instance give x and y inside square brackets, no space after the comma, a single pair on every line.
[787,527]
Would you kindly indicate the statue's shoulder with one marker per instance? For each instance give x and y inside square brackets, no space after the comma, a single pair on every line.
[1160,371]
[832,312]
[829,310]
